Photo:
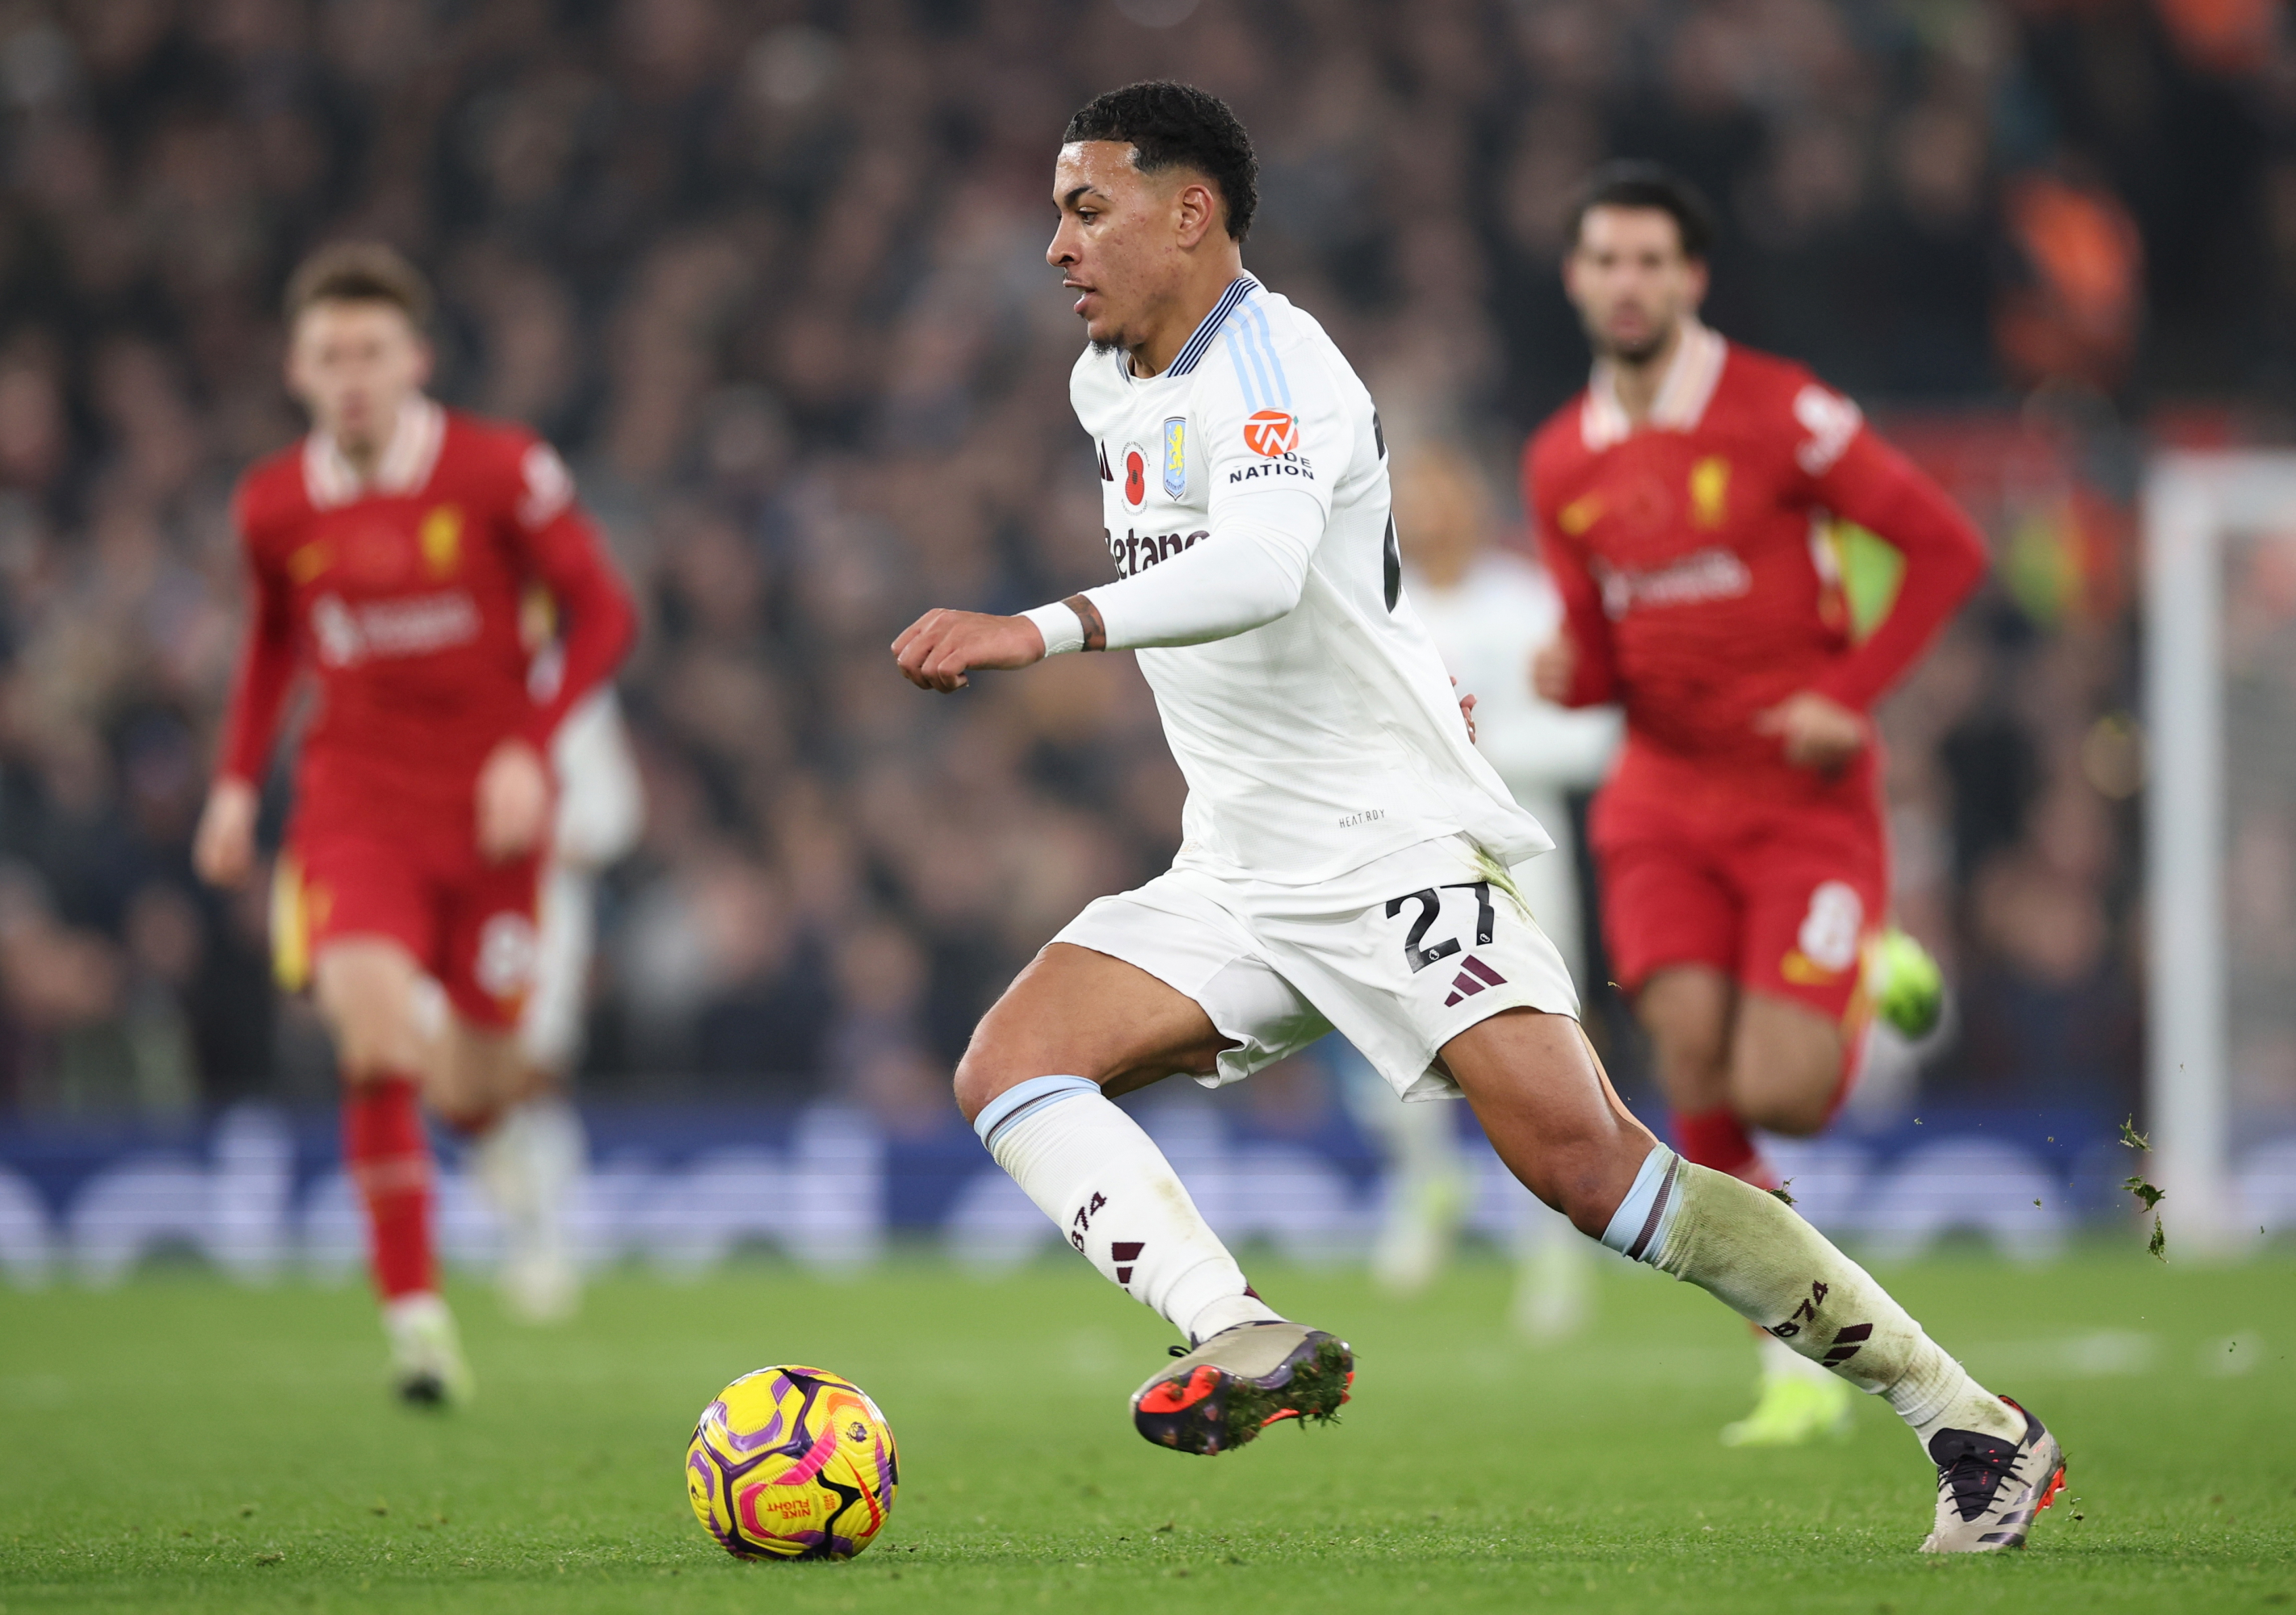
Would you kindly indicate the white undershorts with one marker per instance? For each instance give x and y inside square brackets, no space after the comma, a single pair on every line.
[1400,956]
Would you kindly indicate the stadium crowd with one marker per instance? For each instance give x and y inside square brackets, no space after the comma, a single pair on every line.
[770,273]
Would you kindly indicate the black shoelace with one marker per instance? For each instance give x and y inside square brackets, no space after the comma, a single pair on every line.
[1975,1477]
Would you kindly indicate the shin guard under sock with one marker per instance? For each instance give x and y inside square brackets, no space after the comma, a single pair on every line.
[388,1156]
[1109,1189]
[1748,1250]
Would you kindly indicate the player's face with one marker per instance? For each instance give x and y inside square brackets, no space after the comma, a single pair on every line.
[354,364]
[1120,244]
[1631,282]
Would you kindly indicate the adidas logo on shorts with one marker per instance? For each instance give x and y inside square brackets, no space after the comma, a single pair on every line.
[1472,979]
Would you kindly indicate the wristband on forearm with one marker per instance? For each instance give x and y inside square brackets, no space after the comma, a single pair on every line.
[1062,625]
[1095,631]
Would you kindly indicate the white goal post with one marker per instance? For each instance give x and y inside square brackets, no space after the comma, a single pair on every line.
[2197,507]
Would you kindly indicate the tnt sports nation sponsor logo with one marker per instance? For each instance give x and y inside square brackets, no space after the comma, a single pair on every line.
[1271,433]
[1135,465]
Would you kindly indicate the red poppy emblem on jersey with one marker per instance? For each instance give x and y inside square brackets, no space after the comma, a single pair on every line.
[1271,432]
[1136,476]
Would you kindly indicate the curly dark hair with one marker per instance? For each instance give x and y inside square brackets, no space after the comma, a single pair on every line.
[1629,183]
[1171,124]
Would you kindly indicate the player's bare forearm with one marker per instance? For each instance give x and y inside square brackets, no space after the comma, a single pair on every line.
[941,647]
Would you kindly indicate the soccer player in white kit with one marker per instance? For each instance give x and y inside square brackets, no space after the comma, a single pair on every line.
[1346,856]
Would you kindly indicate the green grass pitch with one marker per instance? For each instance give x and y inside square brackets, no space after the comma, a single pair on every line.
[183,1445]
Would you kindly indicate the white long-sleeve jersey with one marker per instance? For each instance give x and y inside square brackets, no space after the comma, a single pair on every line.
[1246,495]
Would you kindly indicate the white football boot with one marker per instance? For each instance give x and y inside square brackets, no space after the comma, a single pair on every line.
[1990,1491]
[427,1367]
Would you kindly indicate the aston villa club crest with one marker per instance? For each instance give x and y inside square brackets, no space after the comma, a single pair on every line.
[1175,457]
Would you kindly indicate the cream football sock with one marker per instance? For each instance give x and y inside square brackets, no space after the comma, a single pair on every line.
[1744,1248]
[1108,1188]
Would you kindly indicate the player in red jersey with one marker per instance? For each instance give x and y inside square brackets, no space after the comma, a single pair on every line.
[394,554]
[1682,502]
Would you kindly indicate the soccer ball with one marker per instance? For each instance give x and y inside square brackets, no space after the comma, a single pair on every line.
[791,1463]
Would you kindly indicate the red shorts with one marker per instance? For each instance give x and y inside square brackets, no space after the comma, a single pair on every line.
[1782,899]
[468,923]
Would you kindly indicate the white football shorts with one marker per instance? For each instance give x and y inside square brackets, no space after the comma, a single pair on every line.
[1400,956]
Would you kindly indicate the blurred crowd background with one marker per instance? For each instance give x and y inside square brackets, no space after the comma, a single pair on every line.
[770,273]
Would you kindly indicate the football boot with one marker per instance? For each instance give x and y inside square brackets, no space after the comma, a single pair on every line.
[1242,1380]
[1990,1490]
[427,1367]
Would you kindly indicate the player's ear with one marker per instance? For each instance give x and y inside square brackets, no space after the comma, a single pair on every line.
[425,360]
[1196,212]
[1695,273]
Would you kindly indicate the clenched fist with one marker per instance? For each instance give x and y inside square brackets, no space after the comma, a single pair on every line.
[1552,667]
[224,850]
[513,802]
[1818,732]
[940,648]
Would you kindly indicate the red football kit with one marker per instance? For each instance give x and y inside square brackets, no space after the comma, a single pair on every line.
[409,598]
[1699,590]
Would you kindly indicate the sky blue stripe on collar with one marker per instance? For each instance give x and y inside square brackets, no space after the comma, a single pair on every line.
[1243,381]
[1192,354]
[1256,317]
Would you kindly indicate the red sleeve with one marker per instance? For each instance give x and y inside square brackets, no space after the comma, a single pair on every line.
[1876,487]
[1595,670]
[267,664]
[598,620]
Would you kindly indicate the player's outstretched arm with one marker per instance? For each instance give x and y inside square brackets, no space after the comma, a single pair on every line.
[940,648]
[1879,489]
[223,850]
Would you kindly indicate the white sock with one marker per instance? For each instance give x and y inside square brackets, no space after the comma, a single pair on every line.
[1748,1250]
[1108,1188]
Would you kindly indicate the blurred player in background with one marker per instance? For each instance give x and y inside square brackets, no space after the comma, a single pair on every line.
[391,553]
[530,1162]
[1347,852]
[1488,611]
[1683,501]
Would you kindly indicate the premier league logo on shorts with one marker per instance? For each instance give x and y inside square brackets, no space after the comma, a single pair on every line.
[1176,456]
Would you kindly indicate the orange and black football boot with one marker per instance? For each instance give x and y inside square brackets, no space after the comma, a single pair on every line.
[1242,1380]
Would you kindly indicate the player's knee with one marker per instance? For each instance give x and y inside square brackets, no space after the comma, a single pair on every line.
[1687,1013]
[1795,1114]
[1787,1083]
[1587,1180]
[991,1064]
[1787,1093]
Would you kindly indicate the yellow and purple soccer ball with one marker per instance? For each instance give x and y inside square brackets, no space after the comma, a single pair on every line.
[791,1463]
